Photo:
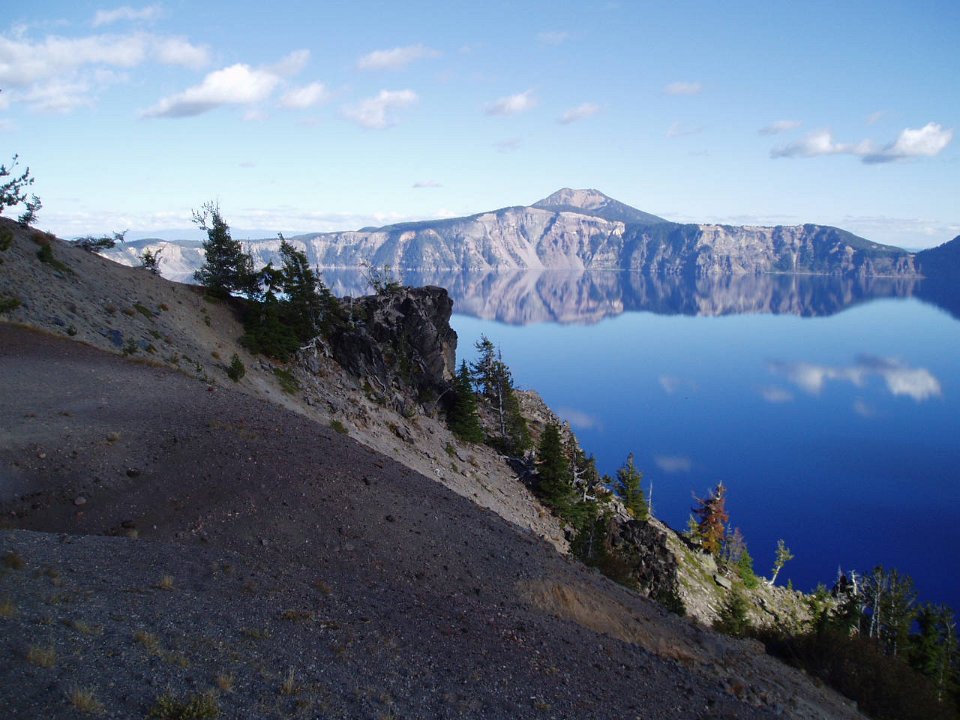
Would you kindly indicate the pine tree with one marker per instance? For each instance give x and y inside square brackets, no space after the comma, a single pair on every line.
[553,471]
[462,416]
[303,307]
[629,487]
[495,383]
[226,268]
[712,517]
[781,559]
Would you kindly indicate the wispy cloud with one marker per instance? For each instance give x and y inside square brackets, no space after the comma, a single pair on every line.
[300,98]
[927,141]
[578,418]
[580,112]
[512,104]
[673,463]
[395,58]
[678,129]
[776,395]
[377,112]
[683,88]
[508,145]
[60,74]
[129,14]
[553,37]
[672,384]
[874,118]
[779,126]
[427,184]
[900,379]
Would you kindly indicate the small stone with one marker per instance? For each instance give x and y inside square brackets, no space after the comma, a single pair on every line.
[390,518]
[79,500]
[723,582]
[133,472]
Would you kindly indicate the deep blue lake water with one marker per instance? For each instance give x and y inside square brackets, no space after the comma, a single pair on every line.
[830,409]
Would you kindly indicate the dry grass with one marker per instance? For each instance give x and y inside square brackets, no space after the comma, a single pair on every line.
[85,628]
[166,582]
[42,656]
[7,608]
[149,641]
[289,685]
[225,682]
[85,700]
[13,560]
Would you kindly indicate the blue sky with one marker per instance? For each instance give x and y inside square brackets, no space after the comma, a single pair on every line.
[336,115]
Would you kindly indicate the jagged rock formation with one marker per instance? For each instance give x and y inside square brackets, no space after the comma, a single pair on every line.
[400,343]
[579,229]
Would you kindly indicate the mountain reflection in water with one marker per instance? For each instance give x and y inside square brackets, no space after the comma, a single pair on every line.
[527,297]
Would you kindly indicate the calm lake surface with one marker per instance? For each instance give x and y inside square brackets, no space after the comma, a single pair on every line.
[830,409]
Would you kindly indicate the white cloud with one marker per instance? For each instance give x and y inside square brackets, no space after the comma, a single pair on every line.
[427,184]
[922,142]
[106,17]
[779,126]
[672,384]
[59,74]
[58,96]
[900,380]
[683,88]
[861,408]
[927,141]
[512,104]
[304,97]
[376,112]
[553,37]
[580,112]
[395,58]
[290,64]
[874,118]
[177,51]
[673,463]
[235,85]
[508,145]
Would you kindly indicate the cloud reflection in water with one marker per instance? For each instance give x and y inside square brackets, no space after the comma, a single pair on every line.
[899,378]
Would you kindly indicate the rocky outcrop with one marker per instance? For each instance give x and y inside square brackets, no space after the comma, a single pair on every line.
[400,344]
[644,546]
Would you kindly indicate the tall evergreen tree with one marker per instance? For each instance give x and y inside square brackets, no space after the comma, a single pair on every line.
[226,268]
[495,383]
[553,471]
[462,416]
[302,287]
[629,487]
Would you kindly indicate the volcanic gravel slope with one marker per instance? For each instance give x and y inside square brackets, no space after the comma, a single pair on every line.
[166,538]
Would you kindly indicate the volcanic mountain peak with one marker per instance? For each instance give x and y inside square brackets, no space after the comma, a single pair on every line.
[594,202]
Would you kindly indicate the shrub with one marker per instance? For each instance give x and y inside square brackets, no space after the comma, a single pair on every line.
[194,707]
[339,427]
[8,304]
[237,369]
[733,614]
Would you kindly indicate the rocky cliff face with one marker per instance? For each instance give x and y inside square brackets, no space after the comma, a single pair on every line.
[578,229]
[400,344]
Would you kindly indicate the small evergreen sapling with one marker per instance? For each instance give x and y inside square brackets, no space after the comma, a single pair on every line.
[629,488]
